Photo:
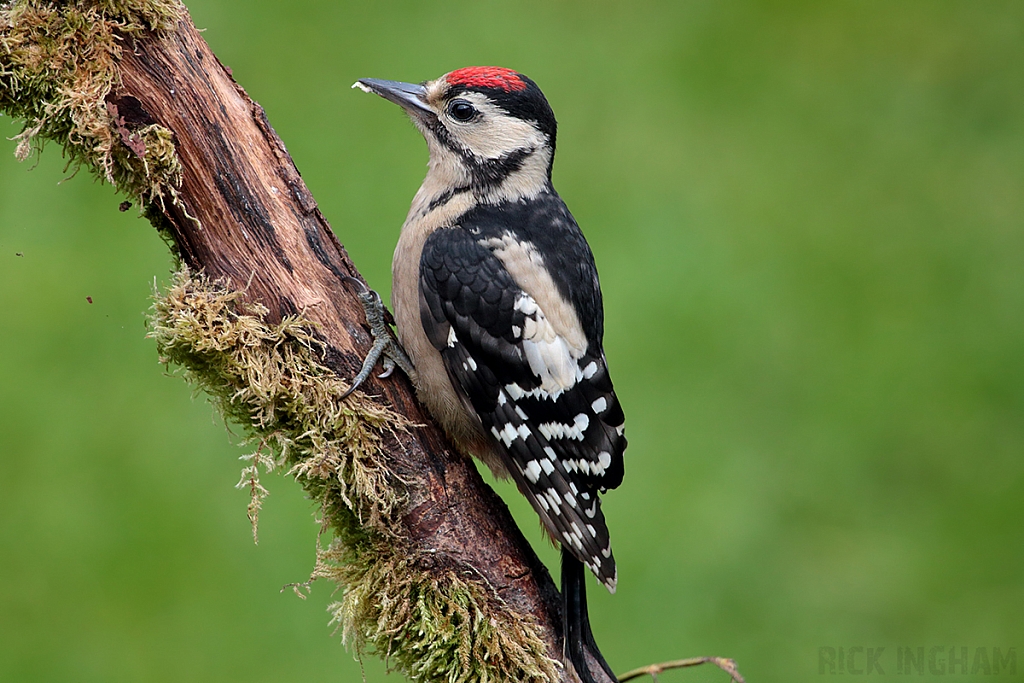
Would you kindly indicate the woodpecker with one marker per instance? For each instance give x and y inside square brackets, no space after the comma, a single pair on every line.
[498,305]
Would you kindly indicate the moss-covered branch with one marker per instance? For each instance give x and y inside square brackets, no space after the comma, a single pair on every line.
[435,576]
[58,64]
[433,625]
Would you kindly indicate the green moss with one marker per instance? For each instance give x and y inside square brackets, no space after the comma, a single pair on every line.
[58,63]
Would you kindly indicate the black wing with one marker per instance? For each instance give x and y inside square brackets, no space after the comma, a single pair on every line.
[552,409]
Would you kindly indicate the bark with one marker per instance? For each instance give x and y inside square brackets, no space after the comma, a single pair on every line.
[244,213]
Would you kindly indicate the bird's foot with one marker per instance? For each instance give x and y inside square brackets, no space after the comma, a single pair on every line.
[385,346]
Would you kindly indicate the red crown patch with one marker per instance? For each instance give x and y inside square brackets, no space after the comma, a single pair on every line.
[487,77]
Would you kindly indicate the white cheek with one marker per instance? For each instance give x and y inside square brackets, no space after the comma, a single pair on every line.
[494,137]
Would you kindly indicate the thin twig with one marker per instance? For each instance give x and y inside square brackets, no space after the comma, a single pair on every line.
[725,664]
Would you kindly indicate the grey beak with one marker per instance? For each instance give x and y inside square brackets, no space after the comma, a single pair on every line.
[409,96]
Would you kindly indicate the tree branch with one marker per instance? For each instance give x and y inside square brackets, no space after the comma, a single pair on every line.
[652,670]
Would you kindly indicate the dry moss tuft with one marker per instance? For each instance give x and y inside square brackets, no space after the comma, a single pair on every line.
[433,624]
[268,378]
[58,63]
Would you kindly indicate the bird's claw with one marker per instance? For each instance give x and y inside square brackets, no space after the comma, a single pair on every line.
[385,347]
[389,367]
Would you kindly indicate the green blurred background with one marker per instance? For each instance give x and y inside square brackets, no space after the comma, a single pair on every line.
[808,220]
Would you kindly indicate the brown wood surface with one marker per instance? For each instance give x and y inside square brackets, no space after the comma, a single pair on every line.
[251,219]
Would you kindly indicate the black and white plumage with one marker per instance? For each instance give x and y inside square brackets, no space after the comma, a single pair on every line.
[547,399]
[498,304]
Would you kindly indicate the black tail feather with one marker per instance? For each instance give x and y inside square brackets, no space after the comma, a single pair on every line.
[576,621]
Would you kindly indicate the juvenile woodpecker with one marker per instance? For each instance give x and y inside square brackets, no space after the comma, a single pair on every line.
[497,303]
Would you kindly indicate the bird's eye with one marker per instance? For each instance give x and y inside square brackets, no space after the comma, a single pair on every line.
[461,110]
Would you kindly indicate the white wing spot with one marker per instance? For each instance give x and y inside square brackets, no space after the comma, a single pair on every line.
[532,471]
[526,304]
[547,466]
[452,339]
[501,398]
[508,434]
[599,406]
[516,392]
[550,452]
[521,414]
[539,392]
[604,459]
[530,331]
[557,430]
[524,432]
[549,357]
[472,363]
[590,370]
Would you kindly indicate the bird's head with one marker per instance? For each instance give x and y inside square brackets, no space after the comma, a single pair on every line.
[485,127]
